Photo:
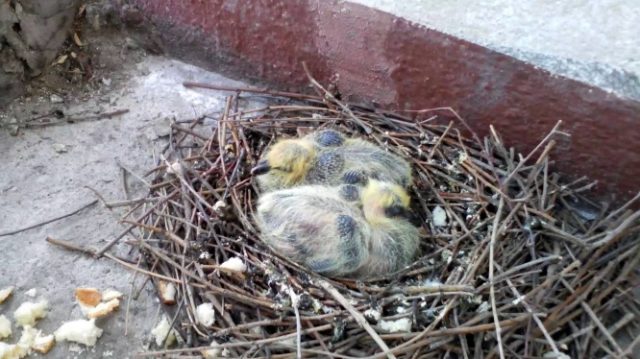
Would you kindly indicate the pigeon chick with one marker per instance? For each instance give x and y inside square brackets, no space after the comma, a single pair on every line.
[329,158]
[320,227]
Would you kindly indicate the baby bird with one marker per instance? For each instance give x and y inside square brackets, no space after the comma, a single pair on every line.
[326,157]
[322,228]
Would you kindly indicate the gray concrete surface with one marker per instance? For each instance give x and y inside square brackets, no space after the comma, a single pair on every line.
[38,183]
[595,42]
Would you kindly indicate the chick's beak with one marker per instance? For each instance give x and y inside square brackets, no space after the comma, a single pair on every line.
[261,168]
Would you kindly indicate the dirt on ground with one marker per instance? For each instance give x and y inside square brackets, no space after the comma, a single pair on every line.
[52,170]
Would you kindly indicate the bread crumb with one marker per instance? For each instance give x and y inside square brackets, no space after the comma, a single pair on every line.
[214,352]
[31,293]
[88,297]
[79,331]
[395,326]
[234,264]
[103,309]
[27,338]
[167,292]
[109,294]
[5,293]
[8,351]
[5,327]
[28,312]
[161,331]
[205,314]
[43,343]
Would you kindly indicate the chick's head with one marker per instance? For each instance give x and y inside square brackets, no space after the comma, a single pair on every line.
[287,162]
[384,201]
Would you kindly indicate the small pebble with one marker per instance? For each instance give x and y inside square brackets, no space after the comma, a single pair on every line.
[56,99]
[59,147]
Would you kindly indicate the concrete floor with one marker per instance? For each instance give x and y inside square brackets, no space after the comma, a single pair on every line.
[37,183]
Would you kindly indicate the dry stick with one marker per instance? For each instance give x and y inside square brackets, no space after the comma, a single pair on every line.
[619,231]
[464,330]
[492,243]
[235,344]
[597,321]
[295,301]
[74,247]
[526,305]
[330,96]
[209,286]
[553,131]
[626,319]
[621,209]
[129,297]
[70,120]
[439,141]
[631,265]
[458,289]
[189,84]
[461,338]
[40,224]
[242,202]
[629,350]
[111,243]
[359,318]
[515,269]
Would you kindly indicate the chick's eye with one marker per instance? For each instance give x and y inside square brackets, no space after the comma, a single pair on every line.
[396,211]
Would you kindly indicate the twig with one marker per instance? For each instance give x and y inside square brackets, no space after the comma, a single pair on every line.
[295,303]
[492,243]
[359,318]
[40,224]
[330,96]
[69,120]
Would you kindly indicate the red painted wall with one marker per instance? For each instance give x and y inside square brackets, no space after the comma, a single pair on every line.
[377,57]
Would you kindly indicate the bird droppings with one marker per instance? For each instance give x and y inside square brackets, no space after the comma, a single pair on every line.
[373,315]
[439,217]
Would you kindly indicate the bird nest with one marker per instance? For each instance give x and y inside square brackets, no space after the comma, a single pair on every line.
[514,262]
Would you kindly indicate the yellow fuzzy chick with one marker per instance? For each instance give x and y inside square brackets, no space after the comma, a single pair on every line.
[326,157]
[319,227]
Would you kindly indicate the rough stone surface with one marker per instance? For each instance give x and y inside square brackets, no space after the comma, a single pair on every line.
[38,183]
